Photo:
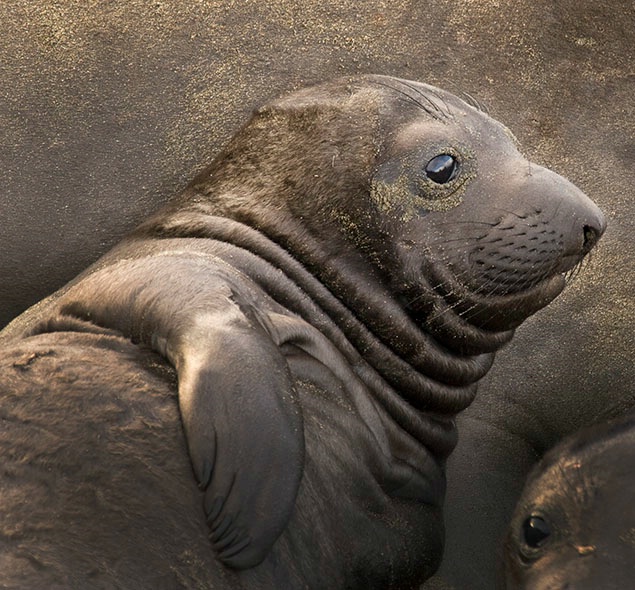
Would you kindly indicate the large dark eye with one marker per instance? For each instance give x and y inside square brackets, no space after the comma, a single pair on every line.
[442,168]
[535,532]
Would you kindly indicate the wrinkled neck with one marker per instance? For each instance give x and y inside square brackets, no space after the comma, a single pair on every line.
[408,369]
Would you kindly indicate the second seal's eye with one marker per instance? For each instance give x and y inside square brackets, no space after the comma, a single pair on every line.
[535,532]
[442,169]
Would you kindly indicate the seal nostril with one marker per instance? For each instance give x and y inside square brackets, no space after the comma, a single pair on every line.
[591,237]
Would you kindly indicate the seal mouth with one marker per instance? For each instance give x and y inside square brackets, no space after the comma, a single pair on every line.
[446,300]
[512,256]
[569,263]
[507,310]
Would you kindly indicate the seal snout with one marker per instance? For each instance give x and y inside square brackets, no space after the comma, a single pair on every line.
[577,218]
[583,236]
[591,219]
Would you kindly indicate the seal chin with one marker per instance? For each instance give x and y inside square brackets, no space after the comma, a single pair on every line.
[507,311]
[569,263]
[514,308]
[475,314]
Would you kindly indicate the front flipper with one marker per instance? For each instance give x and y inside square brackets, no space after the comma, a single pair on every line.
[241,417]
[247,458]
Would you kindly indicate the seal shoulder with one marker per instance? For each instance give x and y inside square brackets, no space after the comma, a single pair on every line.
[241,418]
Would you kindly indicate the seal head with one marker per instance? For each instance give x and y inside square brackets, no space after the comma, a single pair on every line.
[431,193]
[574,526]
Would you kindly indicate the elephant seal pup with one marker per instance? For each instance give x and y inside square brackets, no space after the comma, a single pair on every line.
[370,242]
[574,526]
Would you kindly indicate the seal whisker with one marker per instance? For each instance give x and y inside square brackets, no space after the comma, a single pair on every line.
[486,289]
[470,100]
[477,104]
[522,216]
[451,308]
[510,285]
[454,305]
[457,277]
[582,265]
[435,289]
[450,114]
[474,310]
[446,310]
[572,275]
[432,113]
[466,315]
[489,286]
[493,283]
[425,97]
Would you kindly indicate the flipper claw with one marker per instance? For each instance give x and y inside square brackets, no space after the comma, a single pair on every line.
[221,528]
[229,539]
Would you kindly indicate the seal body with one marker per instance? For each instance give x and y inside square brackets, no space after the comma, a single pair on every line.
[329,291]
[574,526]
[97,488]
